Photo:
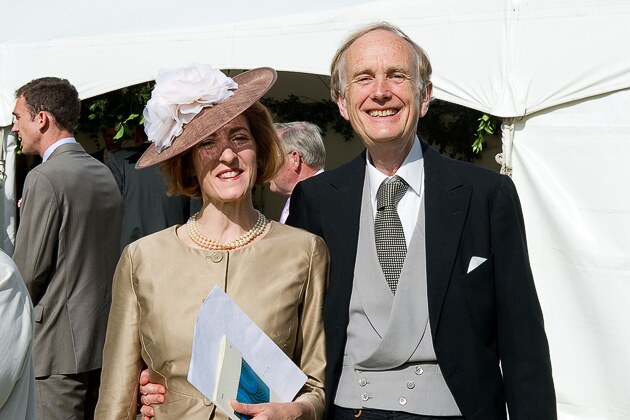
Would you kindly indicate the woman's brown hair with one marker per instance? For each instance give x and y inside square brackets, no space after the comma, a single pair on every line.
[180,173]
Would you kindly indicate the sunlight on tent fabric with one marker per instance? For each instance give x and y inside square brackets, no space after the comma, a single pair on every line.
[571,172]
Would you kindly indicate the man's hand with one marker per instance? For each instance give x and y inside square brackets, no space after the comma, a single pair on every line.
[149,394]
[276,411]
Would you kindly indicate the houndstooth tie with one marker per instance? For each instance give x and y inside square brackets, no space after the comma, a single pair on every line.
[391,247]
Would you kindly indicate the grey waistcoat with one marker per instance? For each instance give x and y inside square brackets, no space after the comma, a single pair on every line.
[389,362]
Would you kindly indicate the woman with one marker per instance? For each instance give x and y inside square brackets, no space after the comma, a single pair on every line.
[214,140]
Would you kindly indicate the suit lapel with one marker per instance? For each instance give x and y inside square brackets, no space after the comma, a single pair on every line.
[446,206]
[340,214]
[341,205]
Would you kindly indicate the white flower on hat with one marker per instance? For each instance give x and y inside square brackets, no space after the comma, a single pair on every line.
[180,94]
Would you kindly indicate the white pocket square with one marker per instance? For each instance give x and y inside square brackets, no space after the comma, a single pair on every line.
[474,263]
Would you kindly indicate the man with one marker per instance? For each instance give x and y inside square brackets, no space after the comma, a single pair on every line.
[464,335]
[67,247]
[431,310]
[17,378]
[305,156]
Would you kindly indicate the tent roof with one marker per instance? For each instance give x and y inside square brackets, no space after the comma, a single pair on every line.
[507,58]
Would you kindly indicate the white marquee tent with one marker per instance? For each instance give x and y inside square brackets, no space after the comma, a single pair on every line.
[557,71]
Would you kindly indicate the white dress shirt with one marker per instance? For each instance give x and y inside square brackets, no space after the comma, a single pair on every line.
[285,211]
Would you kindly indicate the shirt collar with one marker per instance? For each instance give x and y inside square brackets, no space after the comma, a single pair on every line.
[55,145]
[410,171]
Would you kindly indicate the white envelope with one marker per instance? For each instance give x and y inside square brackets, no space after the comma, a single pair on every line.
[220,316]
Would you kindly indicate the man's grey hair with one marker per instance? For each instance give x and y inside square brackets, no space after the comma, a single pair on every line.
[306,139]
[337,67]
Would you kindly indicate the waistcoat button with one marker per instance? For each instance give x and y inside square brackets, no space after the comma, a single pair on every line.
[365,397]
[402,400]
[363,382]
[419,370]
[411,384]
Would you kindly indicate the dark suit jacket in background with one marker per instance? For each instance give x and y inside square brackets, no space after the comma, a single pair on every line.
[67,247]
[477,319]
[146,207]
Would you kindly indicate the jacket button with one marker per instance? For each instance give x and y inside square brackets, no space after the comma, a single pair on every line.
[411,384]
[419,370]
[216,257]
[402,401]
[206,401]
[363,382]
[365,397]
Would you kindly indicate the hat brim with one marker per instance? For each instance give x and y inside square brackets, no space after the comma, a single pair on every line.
[252,85]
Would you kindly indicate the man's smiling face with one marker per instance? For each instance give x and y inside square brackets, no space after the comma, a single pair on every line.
[380,92]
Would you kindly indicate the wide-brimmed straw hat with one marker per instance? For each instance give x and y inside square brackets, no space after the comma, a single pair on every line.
[252,85]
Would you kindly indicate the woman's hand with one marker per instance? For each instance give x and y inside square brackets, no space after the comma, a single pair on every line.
[149,394]
[276,411]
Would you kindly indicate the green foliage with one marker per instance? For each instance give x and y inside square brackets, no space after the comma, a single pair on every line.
[487,125]
[323,113]
[120,109]
[453,127]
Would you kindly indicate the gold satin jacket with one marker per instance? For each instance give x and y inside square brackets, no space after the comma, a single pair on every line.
[159,286]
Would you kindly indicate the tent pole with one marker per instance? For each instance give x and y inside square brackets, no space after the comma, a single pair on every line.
[507,137]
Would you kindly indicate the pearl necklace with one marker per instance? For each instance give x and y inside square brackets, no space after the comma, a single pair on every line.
[213,244]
